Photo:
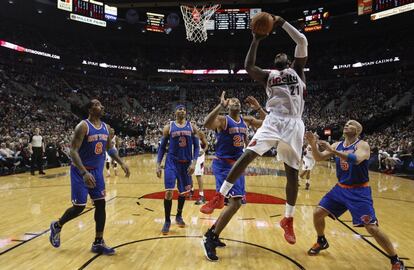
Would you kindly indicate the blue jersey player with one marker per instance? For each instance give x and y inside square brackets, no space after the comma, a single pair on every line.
[92,138]
[231,138]
[352,192]
[183,150]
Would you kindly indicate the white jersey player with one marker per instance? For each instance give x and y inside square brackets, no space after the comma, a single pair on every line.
[199,168]
[283,127]
[109,160]
[308,162]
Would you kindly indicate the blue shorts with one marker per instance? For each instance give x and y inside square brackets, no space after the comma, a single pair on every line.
[221,169]
[80,191]
[177,172]
[357,200]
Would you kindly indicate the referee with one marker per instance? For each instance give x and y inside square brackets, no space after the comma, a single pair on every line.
[38,146]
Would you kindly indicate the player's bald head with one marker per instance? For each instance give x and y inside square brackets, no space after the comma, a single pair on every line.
[356,125]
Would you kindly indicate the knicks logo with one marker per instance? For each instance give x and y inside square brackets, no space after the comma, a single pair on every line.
[253,143]
[366,219]
[344,165]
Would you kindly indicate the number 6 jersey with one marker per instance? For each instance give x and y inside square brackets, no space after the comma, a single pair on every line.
[284,90]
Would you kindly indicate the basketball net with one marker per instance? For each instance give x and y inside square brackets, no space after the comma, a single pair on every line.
[195,21]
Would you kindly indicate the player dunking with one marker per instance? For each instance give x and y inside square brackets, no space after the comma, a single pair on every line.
[180,163]
[199,168]
[231,137]
[92,137]
[283,127]
[352,192]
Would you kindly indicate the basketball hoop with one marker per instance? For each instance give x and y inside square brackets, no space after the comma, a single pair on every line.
[195,21]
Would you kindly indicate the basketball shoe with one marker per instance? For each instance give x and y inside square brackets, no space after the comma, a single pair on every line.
[317,247]
[166,228]
[217,202]
[54,237]
[102,248]
[287,225]
[399,265]
[209,245]
[179,221]
[200,201]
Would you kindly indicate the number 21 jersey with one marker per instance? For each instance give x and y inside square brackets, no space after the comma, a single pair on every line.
[284,90]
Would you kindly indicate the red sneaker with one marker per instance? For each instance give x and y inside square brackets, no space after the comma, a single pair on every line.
[217,202]
[287,225]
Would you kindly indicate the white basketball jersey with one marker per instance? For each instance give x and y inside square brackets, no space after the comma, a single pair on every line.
[308,154]
[114,141]
[284,90]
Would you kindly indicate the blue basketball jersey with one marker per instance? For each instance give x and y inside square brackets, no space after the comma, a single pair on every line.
[350,174]
[230,141]
[181,142]
[92,150]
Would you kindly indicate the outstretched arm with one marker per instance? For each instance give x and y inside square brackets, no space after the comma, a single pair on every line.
[254,71]
[318,155]
[213,120]
[301,50]
[255,105]
[362,153]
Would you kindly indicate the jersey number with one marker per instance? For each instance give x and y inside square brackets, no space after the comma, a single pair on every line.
[98,148]
[237,141]
[344,165]
[294,90]
[182,141]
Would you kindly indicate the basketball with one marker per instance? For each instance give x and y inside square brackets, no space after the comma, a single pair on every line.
[262,23]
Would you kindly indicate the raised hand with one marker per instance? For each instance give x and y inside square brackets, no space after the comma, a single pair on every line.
[224,101]
[253,103]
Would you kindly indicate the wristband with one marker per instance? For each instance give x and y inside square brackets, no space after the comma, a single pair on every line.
[352,158]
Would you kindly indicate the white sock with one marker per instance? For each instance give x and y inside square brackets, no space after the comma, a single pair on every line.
[225,188]
[307,181]
[201,193]
[289,210]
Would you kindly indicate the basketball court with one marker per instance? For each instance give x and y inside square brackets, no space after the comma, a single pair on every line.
[254,239]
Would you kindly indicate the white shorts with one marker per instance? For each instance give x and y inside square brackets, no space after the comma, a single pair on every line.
[199,168]
[286,134]
[108,158]
[308,164]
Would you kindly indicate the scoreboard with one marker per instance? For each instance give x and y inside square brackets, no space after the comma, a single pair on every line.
[314,19]
[89,8]
[89,11]
[386,8]
[155,22]
[232,19]
[380,5]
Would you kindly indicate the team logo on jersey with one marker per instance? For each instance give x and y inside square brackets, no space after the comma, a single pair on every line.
[366,219]
[253,143]
[344,165]
[283,80]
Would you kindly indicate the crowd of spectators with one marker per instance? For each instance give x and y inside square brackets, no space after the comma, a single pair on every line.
[52,101]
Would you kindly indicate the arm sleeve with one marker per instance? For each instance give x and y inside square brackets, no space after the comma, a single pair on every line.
[301,49]
[161,149]
[196,144]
